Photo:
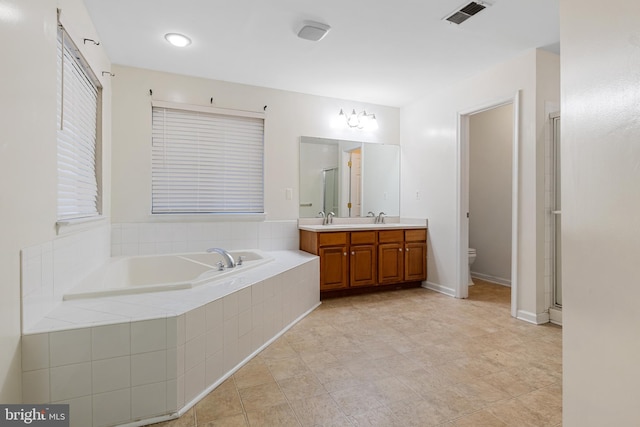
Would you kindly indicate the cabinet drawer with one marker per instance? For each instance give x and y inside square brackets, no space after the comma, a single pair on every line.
[415,235]
[328,239]
[385,236]
[363,237]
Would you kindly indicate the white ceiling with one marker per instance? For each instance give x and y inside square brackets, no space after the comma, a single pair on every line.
[382,52]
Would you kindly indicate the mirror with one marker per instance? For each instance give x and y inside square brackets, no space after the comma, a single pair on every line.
[349,178]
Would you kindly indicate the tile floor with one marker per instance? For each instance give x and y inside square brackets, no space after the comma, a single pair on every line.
[403,358]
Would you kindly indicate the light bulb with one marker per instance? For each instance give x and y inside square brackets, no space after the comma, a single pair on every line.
[178,40]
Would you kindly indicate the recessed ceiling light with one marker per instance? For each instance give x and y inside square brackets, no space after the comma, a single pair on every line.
[178,40]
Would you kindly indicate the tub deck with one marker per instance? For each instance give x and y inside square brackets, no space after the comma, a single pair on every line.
[145,358]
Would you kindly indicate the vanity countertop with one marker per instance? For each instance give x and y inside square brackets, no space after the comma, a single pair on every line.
[358,224]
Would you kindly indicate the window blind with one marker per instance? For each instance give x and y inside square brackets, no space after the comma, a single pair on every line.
[76,137]
[206,162]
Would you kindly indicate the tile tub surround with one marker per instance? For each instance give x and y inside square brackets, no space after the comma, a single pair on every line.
[125,359]
[174,237]
[50,269]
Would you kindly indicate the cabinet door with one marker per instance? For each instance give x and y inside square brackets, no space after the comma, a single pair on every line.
[363,265]
[415,261]
[390,263]
[333,268]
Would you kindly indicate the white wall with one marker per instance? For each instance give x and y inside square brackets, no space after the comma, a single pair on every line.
[28,149]
[601,205]
[288,116]
[429,167]
[490,151]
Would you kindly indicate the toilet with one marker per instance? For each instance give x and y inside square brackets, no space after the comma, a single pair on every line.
[472,258]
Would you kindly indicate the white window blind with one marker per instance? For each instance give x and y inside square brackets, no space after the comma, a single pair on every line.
[78,97]
[206,162]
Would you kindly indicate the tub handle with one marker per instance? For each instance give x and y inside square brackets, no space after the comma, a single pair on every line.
[220,265]
[240,260]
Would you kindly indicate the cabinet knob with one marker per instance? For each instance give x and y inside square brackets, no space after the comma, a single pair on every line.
[345,254]
[400,249]
[353,253]
[407,249]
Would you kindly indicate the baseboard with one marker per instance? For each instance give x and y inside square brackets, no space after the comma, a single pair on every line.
[555,316]
[439,288]
[536,319]
[492,279]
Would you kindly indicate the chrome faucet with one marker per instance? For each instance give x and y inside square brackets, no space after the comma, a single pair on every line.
[330,216]
[380,218]
[324,217]
[230,263]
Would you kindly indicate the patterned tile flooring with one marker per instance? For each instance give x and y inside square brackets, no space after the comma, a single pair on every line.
[403,358]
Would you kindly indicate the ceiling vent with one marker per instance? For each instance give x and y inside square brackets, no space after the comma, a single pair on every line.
[459,16]
[313,31]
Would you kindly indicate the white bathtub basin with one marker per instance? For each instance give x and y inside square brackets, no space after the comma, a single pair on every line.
[155,273]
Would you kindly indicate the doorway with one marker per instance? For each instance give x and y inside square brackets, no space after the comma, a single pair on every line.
[462,288]
[490,164]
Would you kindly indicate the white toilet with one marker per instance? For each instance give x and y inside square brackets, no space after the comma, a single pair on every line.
[472,258]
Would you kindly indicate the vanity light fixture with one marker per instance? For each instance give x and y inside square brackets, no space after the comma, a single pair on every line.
[360,120]
[178,40]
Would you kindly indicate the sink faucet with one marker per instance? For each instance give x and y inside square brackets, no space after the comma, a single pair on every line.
[370,214]
[380,218]
[330,216]
[324,217]
[225,255]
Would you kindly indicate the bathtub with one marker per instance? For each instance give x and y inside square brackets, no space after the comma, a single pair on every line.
[156,273]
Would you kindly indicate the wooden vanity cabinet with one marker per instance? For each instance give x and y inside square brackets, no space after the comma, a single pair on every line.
[332,248]
[363,258]
[415,255]
[390,256]
[333,252]
[355,260]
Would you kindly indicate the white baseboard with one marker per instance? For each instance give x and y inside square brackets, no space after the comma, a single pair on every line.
[536,319]
[439,288]
[555,316]
[492,279]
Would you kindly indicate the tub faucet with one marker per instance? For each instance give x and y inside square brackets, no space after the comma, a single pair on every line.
[225,255]
[380,218]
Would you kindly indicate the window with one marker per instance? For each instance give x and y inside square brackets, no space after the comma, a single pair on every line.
[206,160]
[78,99]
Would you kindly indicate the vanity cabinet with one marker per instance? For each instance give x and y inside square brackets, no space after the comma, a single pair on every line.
[368,259]
[415,255]
[390,253]
[332,249]
[363,258]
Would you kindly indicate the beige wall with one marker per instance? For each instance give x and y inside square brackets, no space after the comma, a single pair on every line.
[288,116]
[600,211]
[490,184]
[28,149]
[430,168]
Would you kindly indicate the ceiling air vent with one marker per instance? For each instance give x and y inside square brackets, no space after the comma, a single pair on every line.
[459,16]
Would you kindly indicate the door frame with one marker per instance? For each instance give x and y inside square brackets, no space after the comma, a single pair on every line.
[462,201]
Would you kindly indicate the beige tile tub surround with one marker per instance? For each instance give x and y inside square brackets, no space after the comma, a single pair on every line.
[141,369]
[404,358]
